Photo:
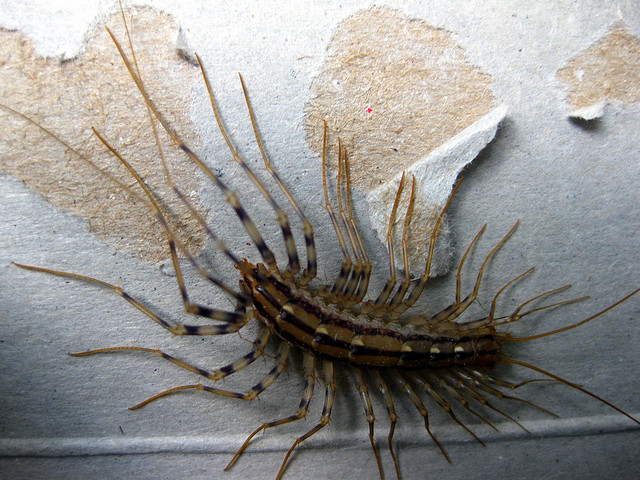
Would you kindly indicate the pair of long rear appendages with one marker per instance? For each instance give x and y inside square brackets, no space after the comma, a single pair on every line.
[460,384]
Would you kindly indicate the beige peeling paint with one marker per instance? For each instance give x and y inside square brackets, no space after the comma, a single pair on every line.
[95,90]
[395,89]
[607,70]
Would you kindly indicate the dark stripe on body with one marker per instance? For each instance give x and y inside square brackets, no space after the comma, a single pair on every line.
[311,327]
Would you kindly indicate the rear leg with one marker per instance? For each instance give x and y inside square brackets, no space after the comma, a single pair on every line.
[404,287]
[486,382]
[419,286]
[457,308]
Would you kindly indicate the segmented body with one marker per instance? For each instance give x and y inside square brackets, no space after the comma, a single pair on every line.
[377,339]
[301,320]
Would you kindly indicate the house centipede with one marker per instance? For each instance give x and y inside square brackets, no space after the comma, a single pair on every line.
[387,350]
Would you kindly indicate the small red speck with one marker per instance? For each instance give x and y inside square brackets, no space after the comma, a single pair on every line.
[369,110]
[248,244]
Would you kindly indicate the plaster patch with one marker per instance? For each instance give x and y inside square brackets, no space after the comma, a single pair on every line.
[591,112]
[95,90]
[437,172]
[607,70]
[393,89]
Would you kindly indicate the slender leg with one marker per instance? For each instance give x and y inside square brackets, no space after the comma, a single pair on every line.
[391,411]
[419,286]
[484,382]
[329,395]
[444,314]
[362,388]
[438,379]
[294,262]
[218,374]
[190,307]
[303,407]
[458,381]
[400,293]
[372,308]
[347,263]
[459,307]
[363,286]
[425,386]
[153,206]
[358,272]
[307,228]
[231,196]
[408,389]
[251,394]
[234,320]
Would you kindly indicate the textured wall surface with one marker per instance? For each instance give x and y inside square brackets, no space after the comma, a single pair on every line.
[572,183]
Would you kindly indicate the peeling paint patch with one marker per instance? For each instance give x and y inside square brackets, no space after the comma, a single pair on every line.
[435,175]
[607,70]
[95,90]
[394,89]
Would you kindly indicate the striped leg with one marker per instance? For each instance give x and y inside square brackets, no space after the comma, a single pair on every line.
[218,374]
[417,403]
[301,412]
[460,383]
[437,379]
[200,310]
[234,320]
[281,359]
[75,152]
[451,308]
[484,382]
[372,308]
[231,196]
[307,228]
[493,321]
[402,290]
[362,265]
[423,383]
[362,388]
[189,306]
[517,316]
[419,286]
[455,310]
[391,412]
[363,286]
[329,396]
[294,262]
[568,383]
[334,293]
[153,206]
[514,317]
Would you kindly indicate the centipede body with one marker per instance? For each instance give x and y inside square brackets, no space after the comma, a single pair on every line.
[107,311]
